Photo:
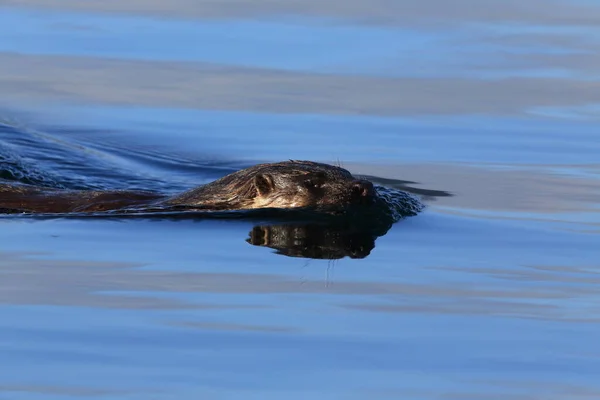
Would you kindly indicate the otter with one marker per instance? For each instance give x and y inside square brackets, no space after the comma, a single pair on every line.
[287,184]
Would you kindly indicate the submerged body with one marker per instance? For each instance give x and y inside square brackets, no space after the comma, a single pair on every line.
[288,184]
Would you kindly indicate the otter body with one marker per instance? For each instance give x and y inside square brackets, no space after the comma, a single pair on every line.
[288,184]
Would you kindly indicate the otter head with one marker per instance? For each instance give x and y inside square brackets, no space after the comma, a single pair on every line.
[288,184]
[293,184]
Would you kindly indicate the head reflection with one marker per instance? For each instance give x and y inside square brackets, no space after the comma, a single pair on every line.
[318,241]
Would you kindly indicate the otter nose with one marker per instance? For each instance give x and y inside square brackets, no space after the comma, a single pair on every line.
[362,190]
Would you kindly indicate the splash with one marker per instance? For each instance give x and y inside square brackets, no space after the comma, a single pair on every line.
[397,203]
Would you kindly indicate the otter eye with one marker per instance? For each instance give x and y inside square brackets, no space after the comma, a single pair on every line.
[309,183]
[312,184]
[315,181]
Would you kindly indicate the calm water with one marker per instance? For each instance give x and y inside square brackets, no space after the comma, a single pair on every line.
[489,112]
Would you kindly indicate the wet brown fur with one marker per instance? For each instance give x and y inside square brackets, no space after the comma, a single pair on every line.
[285,184]
[23,198]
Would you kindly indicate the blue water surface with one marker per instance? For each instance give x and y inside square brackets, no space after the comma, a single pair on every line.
[491,292]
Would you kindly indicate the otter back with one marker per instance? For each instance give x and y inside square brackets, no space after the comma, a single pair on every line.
[32,199]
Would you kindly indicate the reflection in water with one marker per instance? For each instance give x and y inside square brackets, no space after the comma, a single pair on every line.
[314,240]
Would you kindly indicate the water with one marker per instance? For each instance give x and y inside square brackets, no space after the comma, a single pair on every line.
[488,113]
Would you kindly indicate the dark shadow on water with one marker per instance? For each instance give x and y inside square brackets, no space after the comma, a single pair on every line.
[407,186]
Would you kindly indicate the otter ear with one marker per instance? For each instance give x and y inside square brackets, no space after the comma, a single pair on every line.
[264,184]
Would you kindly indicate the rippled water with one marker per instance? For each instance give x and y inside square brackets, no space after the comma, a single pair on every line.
[485,110]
